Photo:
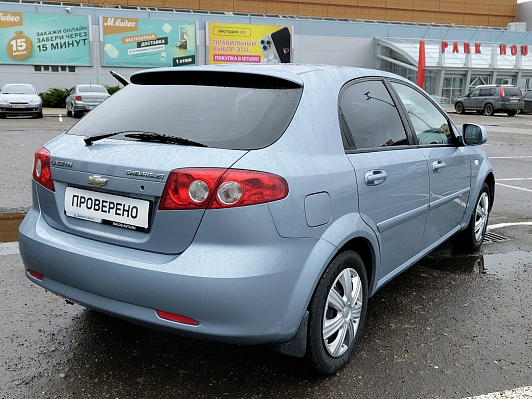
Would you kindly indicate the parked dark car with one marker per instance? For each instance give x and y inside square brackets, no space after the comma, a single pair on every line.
[254,204]
[528,103]
[489,99]
[84,98]
[20,99]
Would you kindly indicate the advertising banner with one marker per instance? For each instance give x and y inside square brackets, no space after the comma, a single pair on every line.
[44,39]
[148,42]
[235,43]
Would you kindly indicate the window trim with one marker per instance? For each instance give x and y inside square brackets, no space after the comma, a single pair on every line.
[348,134]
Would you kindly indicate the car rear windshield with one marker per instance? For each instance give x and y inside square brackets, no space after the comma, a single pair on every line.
[18,89]
[222,117]
[89,88]
[512,91]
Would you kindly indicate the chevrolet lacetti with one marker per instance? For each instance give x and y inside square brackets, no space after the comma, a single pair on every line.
[253,204]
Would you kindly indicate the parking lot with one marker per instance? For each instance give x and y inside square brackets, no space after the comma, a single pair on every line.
[451,326]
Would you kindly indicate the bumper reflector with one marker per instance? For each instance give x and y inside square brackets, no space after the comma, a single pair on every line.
[36,275]
[177,318]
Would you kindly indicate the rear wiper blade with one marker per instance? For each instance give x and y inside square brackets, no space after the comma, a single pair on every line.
[142,135]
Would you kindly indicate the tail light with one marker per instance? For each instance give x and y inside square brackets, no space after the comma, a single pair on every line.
[77,98]
[502,91]
[42,173]
[522,95]
[214,188]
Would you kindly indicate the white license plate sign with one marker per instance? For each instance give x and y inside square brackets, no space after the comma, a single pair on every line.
[514,100]
[19,106]
[114,210]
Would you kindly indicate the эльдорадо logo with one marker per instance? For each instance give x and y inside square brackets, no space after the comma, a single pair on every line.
[112,25]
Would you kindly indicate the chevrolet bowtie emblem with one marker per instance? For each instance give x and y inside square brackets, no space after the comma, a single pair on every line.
[97,181]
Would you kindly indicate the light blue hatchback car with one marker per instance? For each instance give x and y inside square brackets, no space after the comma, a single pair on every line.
[253,204]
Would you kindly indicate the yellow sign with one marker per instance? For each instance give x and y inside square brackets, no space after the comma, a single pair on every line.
[240,43]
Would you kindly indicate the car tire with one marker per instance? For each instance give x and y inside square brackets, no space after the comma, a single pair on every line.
[470,239]
[511,113]
[489,110]
[38,115]
[336,314]
[459,107]
[68,112]
[74,113]
[3,116]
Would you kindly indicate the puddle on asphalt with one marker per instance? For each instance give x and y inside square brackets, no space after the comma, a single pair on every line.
[506,265]
[9,223]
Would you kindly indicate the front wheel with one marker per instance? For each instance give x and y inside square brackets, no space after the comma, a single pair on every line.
[459,108]
[511,113]
[336,313]
[489,110]
[470,239]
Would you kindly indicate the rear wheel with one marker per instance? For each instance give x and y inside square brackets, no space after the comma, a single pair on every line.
[470,239]
[38,115]
[459,108]
[489,110]
[74,113]
[511,113]
[336,313]
[68,112]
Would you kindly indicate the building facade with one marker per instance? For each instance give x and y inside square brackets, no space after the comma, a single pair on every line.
[128,38]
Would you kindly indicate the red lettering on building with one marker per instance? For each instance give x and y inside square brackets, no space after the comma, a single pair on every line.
[467,48]
[444,45]
[455,48]
[477,48]
[502,49]
[513,49]
[524,50]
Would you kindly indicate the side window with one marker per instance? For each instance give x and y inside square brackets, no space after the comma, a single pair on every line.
[474,93]
[372,116]
[484,92]
[430,126]
[492,91]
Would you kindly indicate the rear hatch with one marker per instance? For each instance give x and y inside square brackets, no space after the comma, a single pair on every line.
[163,122]
[513,96]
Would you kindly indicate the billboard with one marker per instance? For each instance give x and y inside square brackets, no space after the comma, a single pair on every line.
[44,39]
[148,42]
[236,43]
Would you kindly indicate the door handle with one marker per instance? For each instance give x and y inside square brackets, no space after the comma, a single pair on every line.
[438,166]
[375,177]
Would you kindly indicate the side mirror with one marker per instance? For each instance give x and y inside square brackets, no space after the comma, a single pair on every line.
[473,134]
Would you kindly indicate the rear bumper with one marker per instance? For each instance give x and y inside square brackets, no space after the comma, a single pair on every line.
[245,293]
[511,106]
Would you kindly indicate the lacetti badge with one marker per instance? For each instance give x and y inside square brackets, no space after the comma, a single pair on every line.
[97,181]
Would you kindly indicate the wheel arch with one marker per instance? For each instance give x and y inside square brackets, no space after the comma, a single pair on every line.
[490,181]
[363,247]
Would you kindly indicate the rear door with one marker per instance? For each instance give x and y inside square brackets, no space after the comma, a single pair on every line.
[391,174]
[448,164]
